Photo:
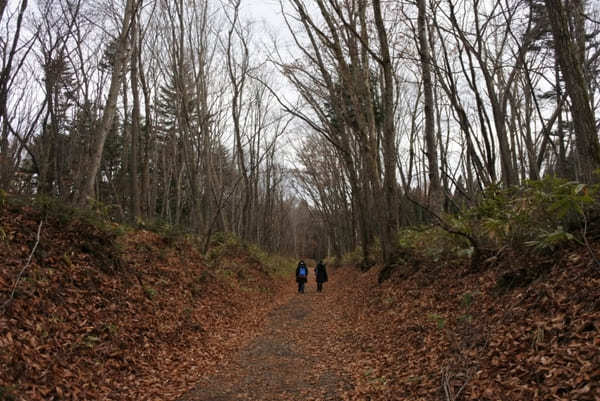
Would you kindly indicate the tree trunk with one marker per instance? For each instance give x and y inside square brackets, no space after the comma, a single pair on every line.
[149,201]
[120,62]
[135,125]
[572,64]
[435,188]
[389,140]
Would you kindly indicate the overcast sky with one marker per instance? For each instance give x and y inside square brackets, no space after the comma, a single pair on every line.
[268,11]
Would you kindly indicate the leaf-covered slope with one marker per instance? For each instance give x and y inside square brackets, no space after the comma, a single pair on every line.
[134,316]
[444,333]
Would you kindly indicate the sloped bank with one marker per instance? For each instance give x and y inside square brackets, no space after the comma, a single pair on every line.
[109,313]
[442,332]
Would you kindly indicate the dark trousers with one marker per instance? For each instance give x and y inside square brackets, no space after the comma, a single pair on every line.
[319,286]
[301,286]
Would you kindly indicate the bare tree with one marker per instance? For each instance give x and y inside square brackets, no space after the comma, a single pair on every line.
[13,52]
[567,21]
[435,188]
[136,207]
[238,66]
[119,64]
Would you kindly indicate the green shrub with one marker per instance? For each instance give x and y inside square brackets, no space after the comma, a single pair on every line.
[353,258]
[549,241]
[432,244]
[224,245]
[226,248]
[172,234]
[97,215]
[276,265]
[543,214]
[375,253]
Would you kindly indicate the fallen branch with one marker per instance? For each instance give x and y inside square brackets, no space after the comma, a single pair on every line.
[449,387]
[14,288]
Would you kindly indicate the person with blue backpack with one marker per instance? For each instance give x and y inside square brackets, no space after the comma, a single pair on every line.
[301,276]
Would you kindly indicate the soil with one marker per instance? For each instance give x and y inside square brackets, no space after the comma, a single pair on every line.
[293,358]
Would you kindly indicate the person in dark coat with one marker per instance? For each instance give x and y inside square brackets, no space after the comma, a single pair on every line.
[320,275]
[301,276]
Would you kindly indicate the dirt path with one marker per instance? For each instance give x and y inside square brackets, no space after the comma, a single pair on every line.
[296,357]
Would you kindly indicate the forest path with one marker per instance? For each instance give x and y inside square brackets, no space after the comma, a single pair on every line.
[295,357]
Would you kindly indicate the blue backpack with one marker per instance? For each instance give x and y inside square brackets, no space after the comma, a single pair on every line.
[302,271]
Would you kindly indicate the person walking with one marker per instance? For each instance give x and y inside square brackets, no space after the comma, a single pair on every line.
[320,275]
[301,276]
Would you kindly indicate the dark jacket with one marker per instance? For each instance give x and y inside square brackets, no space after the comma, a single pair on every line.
[298,278]
[321,273]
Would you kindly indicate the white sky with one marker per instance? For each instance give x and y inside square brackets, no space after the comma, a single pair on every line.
[264,11]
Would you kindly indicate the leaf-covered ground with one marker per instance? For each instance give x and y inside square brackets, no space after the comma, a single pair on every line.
[446,334]
[96,317]
[146,317]
[295,357]
[440,333]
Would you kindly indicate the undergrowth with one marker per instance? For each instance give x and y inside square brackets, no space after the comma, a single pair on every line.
[97,215]
[543,215]
[226,246]
[539,217]
[108,228]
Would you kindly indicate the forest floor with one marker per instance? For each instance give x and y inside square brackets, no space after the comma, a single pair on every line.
[295,357]
[439,332]
[103,313]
